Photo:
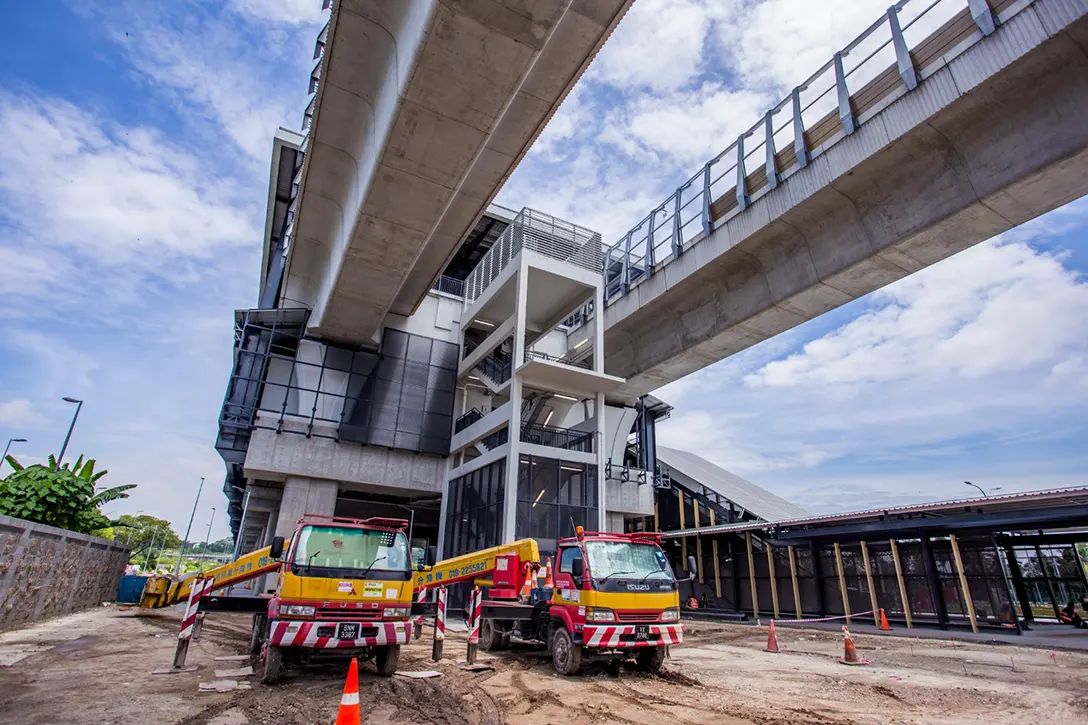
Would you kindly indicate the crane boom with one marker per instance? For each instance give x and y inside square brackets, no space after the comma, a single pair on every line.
[163,591]
[477,565]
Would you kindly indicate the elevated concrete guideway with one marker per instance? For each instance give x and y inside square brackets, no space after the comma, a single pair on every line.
[422,110]
[994,134]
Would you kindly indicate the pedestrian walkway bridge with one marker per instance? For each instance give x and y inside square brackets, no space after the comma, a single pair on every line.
[942,125]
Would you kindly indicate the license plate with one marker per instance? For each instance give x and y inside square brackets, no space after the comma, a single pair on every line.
[642,632]
[348,630]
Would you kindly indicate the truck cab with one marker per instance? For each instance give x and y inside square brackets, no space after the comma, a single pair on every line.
[613,592]
[344,589]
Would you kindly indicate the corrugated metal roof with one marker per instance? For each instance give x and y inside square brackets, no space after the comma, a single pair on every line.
[758,501]
[1039,499]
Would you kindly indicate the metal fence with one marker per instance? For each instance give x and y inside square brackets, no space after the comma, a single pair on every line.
[887,60]
[565,438]
[531,355]
[450,286]
[541,233]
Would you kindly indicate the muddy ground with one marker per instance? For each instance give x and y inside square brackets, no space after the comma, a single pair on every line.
[94,668]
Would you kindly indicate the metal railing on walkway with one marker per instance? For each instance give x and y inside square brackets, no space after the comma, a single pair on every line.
[531,355]
[894,55]
[541,233]
[450,286]
[565,438]
[467,419]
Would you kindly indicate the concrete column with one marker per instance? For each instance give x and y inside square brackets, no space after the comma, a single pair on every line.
[598,330]
[598,413]
[510,503]
[304,496]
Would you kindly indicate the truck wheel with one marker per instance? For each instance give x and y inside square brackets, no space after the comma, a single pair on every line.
[387,660]
[492,638]
[256,639]
[651,659]
[566,655]
[270,664]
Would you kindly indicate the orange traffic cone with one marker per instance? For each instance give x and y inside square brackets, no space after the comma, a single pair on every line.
[549,583]
[527,589]
[850,653]
[884,622]
[349,701]
[772,639]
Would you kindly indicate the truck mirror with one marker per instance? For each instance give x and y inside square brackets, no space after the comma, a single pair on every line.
[432,556]
[277,547]
[578,570]
[693,567]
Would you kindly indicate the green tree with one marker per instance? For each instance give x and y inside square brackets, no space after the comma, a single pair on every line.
[223,546]
[143,533]
[59,496]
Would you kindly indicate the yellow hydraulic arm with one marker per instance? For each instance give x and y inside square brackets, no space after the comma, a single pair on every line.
[477,565]
[163,591]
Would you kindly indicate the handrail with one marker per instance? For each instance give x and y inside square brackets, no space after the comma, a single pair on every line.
[531,355]
[469,417]
[666,231]
[553,437]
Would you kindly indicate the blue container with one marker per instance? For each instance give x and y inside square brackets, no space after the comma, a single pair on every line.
[130,589]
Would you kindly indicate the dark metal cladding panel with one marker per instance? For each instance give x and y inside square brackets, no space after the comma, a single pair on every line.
[405,399]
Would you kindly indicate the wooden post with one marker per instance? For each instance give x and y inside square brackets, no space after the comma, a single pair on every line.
[902,585]
[717,564]
[683,539]
[869,580]
[963,583]
[842,582]
[752,574]
[793,576]
[698,539]
[774,581]
[657,518]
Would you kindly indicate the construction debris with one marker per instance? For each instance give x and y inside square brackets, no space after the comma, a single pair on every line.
[240,672]
[224,686]
[422,675]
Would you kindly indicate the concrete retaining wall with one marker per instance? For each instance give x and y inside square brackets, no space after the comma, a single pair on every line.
[47,572]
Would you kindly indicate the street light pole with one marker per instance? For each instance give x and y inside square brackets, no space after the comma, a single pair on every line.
[151,548]
[207,536]
[8,448]
[185,541]
[63,448]
[984,495]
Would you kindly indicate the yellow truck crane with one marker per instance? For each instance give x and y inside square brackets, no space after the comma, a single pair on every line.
[344,589]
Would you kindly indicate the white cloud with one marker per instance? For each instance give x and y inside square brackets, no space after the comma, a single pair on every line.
[230,80]
[658,45]
[19,414]
[294,12]
[1007,310]
[693,126]
[973,369]
[71,180]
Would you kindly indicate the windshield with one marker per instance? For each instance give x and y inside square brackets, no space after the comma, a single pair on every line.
[335,547]
[626,560]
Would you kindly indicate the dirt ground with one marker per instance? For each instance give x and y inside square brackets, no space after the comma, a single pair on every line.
[94,668]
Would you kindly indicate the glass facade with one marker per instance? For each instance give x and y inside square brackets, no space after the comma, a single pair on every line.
[474,510]
[553,497]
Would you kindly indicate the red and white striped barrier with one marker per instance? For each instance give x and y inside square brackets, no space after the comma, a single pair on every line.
[418,621]
[439,625]
[286,633]
[475,605]
[192,607]
[440,615]
[622,637]
[199,588]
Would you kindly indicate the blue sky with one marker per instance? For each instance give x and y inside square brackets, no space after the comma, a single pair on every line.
[133,178]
